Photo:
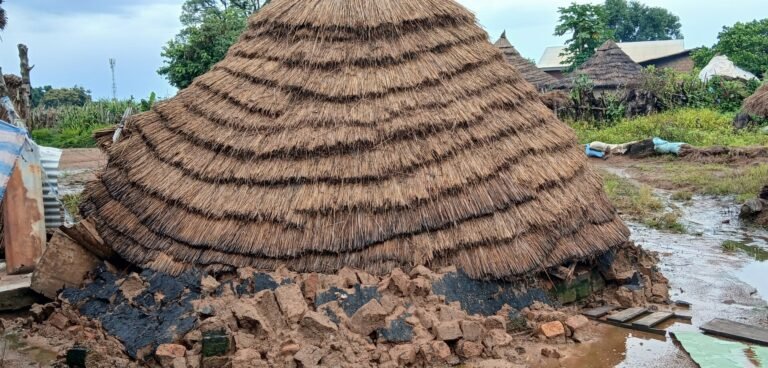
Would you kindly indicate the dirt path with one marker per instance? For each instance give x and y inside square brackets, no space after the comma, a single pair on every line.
[77,167]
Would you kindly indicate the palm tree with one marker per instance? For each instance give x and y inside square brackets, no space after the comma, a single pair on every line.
[3,18]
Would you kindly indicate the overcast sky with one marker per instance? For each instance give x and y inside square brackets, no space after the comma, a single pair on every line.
[71,41]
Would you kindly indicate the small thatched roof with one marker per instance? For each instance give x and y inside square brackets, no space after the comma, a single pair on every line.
[608,68]
[529,71]
[370,134]
[757,104]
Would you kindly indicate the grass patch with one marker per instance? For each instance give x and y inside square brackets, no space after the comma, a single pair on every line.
[74,125]
[682,195]
[753,251]
[698,127]
[743,182]
[71,204]
[639,203]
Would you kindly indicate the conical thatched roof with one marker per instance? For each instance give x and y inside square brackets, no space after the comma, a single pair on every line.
[529,71]
[757,104]
[361,133]
[608,68]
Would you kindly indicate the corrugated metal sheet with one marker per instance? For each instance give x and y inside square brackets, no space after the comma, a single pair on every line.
[11,142]
[638,51]
[49,158]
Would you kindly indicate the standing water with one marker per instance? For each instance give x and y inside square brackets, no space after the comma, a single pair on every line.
[719,265]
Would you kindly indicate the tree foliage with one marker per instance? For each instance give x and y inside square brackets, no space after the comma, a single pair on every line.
[58,97]
[746,44]
[586,23]
[210,28]
[633,21]
[3,17]
[590,25]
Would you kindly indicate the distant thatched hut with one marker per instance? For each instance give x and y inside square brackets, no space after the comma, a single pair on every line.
[530,72]
[757,104]
[609,69]
[370,134]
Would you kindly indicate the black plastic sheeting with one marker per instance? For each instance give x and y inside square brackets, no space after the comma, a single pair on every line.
[486,297]
[144,324]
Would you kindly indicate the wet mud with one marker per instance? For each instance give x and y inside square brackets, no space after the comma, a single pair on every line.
[718,281]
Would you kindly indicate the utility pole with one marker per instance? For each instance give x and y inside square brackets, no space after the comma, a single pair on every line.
[112,63]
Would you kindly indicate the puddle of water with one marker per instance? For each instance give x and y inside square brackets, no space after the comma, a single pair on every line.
[719,283]
[15,349]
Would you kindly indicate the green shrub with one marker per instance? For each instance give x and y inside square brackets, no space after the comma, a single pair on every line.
[75,124]
[698,127]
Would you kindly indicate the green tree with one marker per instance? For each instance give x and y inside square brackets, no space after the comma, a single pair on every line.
[37,95]
[57,97]
[586,23]
[210,28]
[633,21]
[746,44]
[3,17]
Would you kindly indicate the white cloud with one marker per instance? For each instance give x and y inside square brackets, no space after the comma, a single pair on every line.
[69,49]
[72,44]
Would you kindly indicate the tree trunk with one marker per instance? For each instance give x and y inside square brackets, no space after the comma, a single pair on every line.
[26,85]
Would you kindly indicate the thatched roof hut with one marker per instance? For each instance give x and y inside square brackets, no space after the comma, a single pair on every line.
[530,72]
[370,134]
[757,104]
[609,68]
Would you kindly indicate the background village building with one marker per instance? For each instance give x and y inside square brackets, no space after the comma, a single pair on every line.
[365,134]
[661,54]
[530,72]
[721,66]
[608,69]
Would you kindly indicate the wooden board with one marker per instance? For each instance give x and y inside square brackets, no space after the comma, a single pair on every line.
[627,314]
[15,292]
[653,319]
[683,315]
[736,331]
[599,311]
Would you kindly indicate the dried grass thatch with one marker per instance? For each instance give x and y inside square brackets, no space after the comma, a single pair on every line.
[530,72]
[757,104]
[13,82]
[370,134]
[609,68]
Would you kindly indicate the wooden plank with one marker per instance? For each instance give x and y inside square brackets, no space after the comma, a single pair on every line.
[64,264]
[653,319]
[599,311]
[627,314]
[652,330]
[736,331]
[683,315]
[15,292]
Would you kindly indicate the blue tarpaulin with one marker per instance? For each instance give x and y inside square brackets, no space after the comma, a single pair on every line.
[662,146]
[12,140]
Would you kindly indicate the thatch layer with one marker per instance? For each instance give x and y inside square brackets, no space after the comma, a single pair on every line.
[757,104]
[609,68]
[354,133]
[529,71]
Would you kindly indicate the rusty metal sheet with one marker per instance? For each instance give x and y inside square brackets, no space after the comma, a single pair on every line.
[23,213]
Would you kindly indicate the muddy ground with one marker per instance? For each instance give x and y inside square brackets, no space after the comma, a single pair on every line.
[720,283]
